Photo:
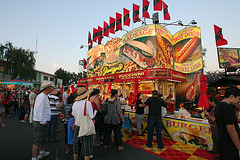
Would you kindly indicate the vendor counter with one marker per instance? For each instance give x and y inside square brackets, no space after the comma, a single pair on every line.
[194,131]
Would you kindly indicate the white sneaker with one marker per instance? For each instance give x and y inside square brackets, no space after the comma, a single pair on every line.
[44,154]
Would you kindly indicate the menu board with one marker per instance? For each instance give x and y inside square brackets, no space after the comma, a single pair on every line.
[228,57]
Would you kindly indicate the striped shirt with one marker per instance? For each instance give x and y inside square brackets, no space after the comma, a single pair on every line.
[54,100]
[21,95]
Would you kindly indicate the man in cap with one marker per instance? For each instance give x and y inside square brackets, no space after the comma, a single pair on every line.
[41,118]
[155,118]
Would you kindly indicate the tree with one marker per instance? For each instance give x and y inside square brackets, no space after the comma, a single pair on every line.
[19,61]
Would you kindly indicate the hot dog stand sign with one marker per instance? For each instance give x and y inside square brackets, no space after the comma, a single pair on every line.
[149,46]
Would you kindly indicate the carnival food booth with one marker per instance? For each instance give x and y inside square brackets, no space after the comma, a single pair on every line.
[148,58]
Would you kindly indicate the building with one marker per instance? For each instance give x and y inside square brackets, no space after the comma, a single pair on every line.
[41,77]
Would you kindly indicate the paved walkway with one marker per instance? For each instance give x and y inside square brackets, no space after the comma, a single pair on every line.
[16,144]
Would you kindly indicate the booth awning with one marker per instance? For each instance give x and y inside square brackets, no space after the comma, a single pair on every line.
[18,81]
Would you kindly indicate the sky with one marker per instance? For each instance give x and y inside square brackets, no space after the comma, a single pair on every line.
[61,26]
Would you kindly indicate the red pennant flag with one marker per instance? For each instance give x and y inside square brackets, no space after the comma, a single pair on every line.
[106,29]
[219,36]
[90,42]
[126,20]
[118,21]
[112,25]
[100,36]
[145,9]
[95,35]
[84,63]
[157,5]
[136,13]
[166,14]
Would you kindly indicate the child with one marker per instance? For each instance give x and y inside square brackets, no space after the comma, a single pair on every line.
[67,110]
[2,110]
[70,136]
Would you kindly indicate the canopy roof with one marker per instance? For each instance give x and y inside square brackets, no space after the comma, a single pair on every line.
[225,82]
[18,81]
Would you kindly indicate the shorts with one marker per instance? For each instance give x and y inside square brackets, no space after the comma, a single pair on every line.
[84,144]
[40,133]
[27,111]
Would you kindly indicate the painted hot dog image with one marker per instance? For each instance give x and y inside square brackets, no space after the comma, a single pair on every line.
[163,47]
[140,53]
[186,50]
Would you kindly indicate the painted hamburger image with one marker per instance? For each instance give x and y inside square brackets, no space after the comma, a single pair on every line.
[140,53]
[194,137]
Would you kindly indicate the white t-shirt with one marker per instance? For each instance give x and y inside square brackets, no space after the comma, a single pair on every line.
[42,111]
[78,111]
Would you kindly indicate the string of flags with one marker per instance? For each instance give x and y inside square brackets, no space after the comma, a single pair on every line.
[115,24]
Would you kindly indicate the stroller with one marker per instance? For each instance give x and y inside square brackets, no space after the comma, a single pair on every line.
[127,126]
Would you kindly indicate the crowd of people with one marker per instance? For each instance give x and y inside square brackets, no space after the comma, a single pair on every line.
[43,109]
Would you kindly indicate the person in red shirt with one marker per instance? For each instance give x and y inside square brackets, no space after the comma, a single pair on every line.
[131,100]
[1,97]
[170,104]
[7,98]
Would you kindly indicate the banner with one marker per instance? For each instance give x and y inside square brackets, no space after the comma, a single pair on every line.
[193,133]
[165,11]
[106,29]
[118,22]
[126,17]
[136,13]
[145,13]
[228,57]
[95,35]
[157,5]
[90,42]
[151,46]
[100,37]
[219,36]
[112,25]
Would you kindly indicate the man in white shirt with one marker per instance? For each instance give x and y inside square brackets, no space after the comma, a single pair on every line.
[41,118]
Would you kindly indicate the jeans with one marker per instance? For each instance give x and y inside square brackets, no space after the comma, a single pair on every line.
[139,122]
[117,134]
[53,127]
[21,113]
[214,137]
[157,122]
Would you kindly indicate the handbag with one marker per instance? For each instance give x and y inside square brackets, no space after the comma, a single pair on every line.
[87,127]
[104,107]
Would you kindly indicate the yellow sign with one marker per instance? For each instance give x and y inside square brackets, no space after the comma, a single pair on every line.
[113,69]
[189,67]
[162,31]
[196,134]
[186,33]
[148,30]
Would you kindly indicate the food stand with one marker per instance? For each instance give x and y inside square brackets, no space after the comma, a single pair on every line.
[147,58]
